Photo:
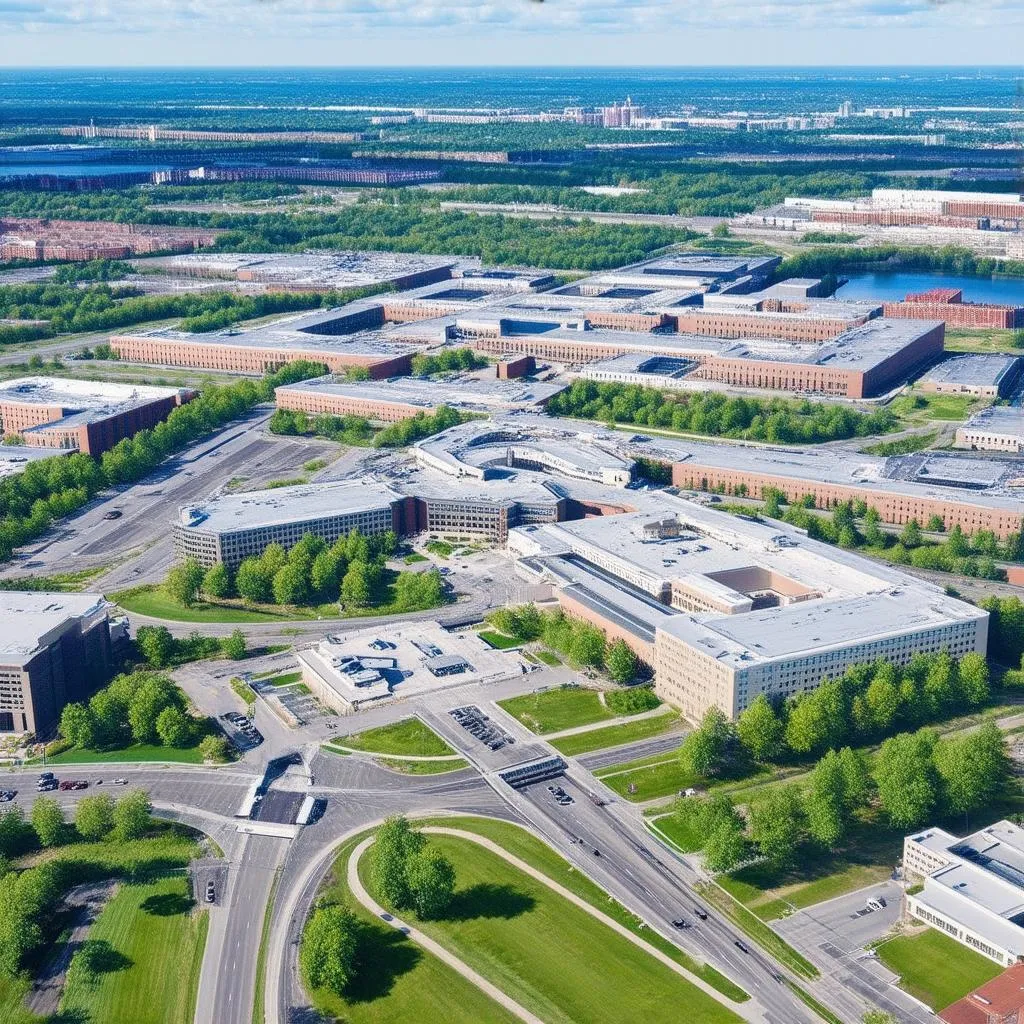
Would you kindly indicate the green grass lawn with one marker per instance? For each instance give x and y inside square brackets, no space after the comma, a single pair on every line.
[409,736]
[922,407]
[978,339]
[154,602]
[423,767]
[549,658]
[554,710]
[615,735]
[136,752]
[12,1002]
[677,832]
[156,937]
[652,777]
[499,640]
[414,558]
[285,679]
[517,933]
[936,969]
[527,847]
[397,982]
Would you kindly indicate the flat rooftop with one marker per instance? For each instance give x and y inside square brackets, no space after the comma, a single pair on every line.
[976,370]
[335,269]
[27,619]
[994,483]
[82,400]
[841,599]
[473,393]
[227,513]
[999,419]
[15,457]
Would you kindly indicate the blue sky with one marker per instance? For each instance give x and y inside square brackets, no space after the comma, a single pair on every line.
[558,32]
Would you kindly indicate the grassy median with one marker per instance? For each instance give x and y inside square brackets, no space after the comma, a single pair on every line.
[520,935]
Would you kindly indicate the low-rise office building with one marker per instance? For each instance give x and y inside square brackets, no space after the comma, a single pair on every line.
[231,527]
[341,339]
[972,889]
[999,428]
[54,649]
[90,416]
[399,398]
[980,374]
[726,608]
[974,494]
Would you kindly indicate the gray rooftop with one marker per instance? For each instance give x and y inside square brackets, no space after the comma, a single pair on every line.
[26,619]
[81,401]
[473,392]
[999,419]
[987,482]
[250,509]
[978,370]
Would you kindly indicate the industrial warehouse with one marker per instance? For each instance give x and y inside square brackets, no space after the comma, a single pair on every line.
[90,416]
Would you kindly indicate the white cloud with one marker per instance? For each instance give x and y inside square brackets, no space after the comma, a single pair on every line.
[382,18]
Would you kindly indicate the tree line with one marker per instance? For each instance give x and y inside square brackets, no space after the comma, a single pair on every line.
[351,430]
[449,360]
[352,571]
[776,420]
[868,702]
[98,307]
[52,489]
[914,778]
[582,643]
[161,650]
[136,707]
[855,524]
[29,898]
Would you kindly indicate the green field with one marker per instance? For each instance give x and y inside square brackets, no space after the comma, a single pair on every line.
[499,640]
[423,767]
[867,855]
[654,776]
[527,847]
[518,933]
[978,339]
[156,938]
[397,982]
[677,832]
[12,1002]
[615,735]
[409,737]
[154,602]
[935,407]
[549,658]
[284,679]
[555,710]
[136,752]
[936,969]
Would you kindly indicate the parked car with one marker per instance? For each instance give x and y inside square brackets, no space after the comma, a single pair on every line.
[211,892]
[114,513]
[120,782]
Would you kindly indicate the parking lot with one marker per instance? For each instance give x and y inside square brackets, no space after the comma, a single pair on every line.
[477,724]
[209,877]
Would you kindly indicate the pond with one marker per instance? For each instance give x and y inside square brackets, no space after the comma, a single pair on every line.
[1008,291]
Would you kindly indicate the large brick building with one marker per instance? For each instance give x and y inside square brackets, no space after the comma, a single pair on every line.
[36,239]
[50,412]
[947,304]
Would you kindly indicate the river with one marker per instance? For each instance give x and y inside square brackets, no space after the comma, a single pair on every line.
[1008,291]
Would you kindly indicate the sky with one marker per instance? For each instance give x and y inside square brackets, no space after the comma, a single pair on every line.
[517,32]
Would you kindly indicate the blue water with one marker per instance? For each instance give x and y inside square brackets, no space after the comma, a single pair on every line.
[80,169]
[121,91]
[1009,291]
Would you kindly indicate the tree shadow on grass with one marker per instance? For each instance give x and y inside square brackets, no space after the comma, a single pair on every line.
[488,899]
[383,955]
[167,904]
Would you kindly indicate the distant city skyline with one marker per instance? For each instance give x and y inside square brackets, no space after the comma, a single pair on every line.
[510,32]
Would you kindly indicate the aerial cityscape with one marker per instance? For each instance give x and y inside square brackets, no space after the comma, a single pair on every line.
[510,543]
